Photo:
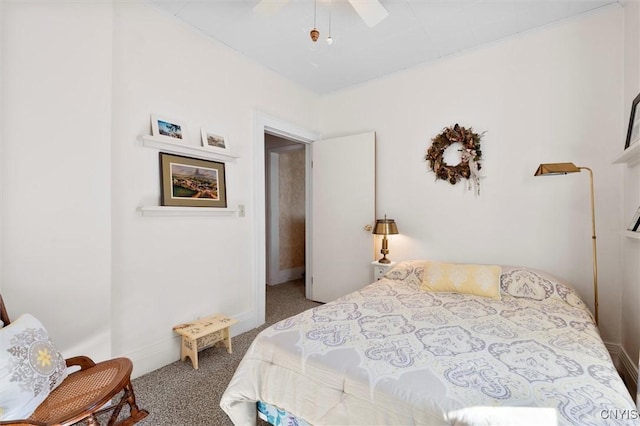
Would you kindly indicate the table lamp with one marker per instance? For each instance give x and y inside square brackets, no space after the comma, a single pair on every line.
[385,227]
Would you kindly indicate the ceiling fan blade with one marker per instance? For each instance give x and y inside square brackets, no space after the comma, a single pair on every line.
[372,12]
[269,7]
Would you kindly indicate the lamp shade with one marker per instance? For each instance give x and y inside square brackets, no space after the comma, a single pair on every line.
[556,169]
[385,227]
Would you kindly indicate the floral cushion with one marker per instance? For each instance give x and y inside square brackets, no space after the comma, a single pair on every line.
[30,367]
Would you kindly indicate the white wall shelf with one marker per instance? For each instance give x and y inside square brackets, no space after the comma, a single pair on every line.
[192,151]
[185,211]
[630,156]
[631,234]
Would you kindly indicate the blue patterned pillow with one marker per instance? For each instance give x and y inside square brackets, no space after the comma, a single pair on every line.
[30,367]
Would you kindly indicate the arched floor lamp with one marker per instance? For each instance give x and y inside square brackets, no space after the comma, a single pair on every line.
[562,169]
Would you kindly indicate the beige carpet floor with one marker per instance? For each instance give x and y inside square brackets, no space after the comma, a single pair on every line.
[178,395]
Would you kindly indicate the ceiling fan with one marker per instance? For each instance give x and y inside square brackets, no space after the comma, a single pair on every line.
[372,12]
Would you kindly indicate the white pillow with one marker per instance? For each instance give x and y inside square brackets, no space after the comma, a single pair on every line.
[30,367]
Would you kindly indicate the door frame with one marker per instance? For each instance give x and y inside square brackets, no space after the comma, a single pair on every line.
[262,123]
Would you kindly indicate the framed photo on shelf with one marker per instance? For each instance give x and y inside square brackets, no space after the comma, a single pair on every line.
[215,141]
[633,133]
[168,129]
[191,182]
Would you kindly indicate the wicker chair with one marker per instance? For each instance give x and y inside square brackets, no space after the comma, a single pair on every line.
[83,394]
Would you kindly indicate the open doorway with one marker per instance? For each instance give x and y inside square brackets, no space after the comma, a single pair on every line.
[285,196]
[343,186]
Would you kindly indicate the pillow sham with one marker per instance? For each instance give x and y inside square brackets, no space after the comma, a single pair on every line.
[524,283]
[538,285]
[479,280]
[408,272]
[30,367]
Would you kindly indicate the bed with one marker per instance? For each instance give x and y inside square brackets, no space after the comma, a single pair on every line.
[396,353]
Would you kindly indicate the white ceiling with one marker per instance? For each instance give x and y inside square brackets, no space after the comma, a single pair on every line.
[416,31]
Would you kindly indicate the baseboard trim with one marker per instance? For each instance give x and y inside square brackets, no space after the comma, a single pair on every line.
[625,366]
[163,352]
[287,275]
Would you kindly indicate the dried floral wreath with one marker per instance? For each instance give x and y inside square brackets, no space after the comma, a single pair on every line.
[471,155]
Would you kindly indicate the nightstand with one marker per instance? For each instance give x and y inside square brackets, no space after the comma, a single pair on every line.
[379,269]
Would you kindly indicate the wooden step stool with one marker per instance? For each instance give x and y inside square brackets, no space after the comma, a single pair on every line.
[203,333]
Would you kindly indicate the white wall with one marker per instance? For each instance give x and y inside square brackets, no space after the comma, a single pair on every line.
[170,270]
[80,80]
[56,111]
[631,179]
[552,95]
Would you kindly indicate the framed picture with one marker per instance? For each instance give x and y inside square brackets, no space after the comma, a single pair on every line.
[168,128]
[633,133]
[214,141]
[192,182]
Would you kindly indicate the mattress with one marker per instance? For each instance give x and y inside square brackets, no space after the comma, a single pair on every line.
[394,354]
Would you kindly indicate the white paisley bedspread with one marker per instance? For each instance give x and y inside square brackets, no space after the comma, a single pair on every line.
[393,354]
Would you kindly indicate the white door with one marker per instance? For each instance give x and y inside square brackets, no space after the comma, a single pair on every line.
[342,211]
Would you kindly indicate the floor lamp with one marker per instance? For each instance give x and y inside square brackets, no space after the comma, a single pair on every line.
[563,169]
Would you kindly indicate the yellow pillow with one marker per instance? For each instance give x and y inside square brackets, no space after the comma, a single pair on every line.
[480,280]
